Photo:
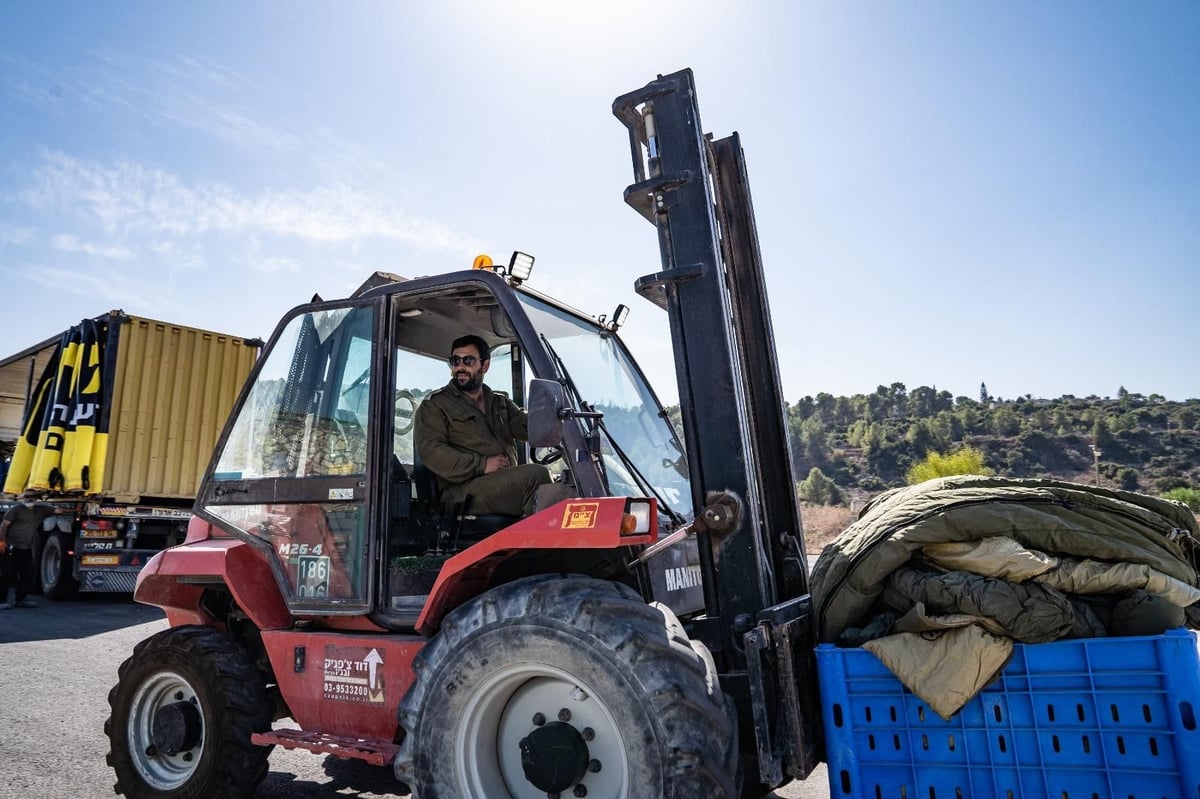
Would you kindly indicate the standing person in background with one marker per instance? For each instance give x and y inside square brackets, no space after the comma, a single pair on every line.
[18,535]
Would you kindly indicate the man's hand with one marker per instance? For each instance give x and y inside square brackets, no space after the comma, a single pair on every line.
[495,463]
[3,546]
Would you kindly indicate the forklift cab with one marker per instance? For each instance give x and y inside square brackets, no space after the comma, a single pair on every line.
[317,467]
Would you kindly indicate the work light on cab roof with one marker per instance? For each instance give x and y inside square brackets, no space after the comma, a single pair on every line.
[519,268]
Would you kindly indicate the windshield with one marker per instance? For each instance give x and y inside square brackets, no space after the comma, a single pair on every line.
[608,380]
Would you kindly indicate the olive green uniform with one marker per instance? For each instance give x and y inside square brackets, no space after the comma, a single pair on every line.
[454,439]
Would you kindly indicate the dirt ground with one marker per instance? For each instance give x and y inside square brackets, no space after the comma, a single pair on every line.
[822,523]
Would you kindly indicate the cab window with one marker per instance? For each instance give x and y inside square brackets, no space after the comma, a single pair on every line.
[292,471]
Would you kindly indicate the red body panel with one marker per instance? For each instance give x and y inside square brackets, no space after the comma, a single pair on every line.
[199,530]
[254,586]
[347,679]
[343,684]
[571,524]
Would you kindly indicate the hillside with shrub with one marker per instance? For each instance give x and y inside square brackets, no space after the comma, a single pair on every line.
[847,449]
[866,443]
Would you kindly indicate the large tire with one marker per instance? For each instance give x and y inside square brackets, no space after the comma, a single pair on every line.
[55,574]
[602,676]
[205,686]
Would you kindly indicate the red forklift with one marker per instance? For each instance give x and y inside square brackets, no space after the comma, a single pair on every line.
[645,633]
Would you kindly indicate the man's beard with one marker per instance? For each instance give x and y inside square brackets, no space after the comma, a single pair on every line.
[468,382]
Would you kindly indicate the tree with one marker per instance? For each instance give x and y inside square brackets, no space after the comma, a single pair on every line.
[803,408]
[1101,433]
[984,397]
[965,460]
[1005,422]
[825,404]
[920,436]
[923,402]
[946,428]
[818,489]
[809,442]
[899,399]
[969,415]
[856,434]
[1128,479]
[843,412]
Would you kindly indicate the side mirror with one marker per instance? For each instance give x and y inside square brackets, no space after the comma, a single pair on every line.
[546,403]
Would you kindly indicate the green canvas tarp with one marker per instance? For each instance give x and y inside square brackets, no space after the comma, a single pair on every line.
[890,578]
[1045,515]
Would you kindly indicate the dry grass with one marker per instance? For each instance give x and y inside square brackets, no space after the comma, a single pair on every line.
[822,523]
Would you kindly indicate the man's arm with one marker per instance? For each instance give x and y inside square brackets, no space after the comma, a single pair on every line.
[431,435]
[518,421]
[4,525]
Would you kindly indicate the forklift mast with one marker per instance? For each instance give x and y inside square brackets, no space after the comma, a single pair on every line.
[695,191]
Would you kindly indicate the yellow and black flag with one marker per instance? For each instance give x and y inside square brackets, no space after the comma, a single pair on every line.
[64,437]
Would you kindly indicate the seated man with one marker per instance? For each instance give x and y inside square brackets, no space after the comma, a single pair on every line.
[465,434]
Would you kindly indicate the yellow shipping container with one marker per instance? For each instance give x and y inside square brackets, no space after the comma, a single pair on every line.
[168,391]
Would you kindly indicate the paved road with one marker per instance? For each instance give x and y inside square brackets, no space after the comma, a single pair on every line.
[57,663]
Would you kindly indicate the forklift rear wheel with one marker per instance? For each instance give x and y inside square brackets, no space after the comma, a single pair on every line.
[566,686]
[183,710]
[54,569]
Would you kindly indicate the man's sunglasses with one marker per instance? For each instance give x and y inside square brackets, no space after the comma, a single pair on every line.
[466,360]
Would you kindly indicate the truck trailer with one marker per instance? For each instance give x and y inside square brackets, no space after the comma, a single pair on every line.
[115,418]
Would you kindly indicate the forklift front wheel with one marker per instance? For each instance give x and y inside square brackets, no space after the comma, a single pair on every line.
[566,686]
[183,711]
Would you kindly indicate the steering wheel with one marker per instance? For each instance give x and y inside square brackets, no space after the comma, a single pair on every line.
[405,417]
[546,455]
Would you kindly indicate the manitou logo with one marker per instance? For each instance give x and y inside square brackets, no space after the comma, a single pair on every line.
[683,577]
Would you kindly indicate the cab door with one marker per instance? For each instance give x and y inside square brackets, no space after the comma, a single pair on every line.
[291,476]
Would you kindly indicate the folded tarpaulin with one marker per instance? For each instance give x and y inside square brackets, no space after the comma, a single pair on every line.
[955,630]
[1050,516]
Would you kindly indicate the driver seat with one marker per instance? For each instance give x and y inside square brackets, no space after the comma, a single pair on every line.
[455,524]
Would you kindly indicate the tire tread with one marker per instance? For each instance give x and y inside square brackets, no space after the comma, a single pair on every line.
[233,680]
[683,697]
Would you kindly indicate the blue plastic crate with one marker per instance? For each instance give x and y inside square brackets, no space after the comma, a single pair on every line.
[1098,718]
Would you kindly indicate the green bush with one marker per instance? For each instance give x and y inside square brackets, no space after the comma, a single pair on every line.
[818,489]
[1128,479]
[1188,496]
[965,460]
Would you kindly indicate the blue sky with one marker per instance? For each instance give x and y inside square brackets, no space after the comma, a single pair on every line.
[947,193]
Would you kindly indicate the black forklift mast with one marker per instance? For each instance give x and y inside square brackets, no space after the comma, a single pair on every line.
[757,611]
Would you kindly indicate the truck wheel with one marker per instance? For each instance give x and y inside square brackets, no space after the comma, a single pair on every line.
[567,686]
[183,710]
[54,572]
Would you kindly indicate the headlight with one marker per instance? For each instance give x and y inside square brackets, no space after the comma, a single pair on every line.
[641,511]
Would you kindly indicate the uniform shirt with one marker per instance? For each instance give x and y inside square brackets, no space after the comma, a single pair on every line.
[454,438]
[25,523]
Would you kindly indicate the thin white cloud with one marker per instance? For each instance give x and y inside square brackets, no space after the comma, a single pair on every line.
[274,265]
[177,257]
[28,82]
[190,92]
[88,284]
[14,235]
[68,243]
[129,198]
